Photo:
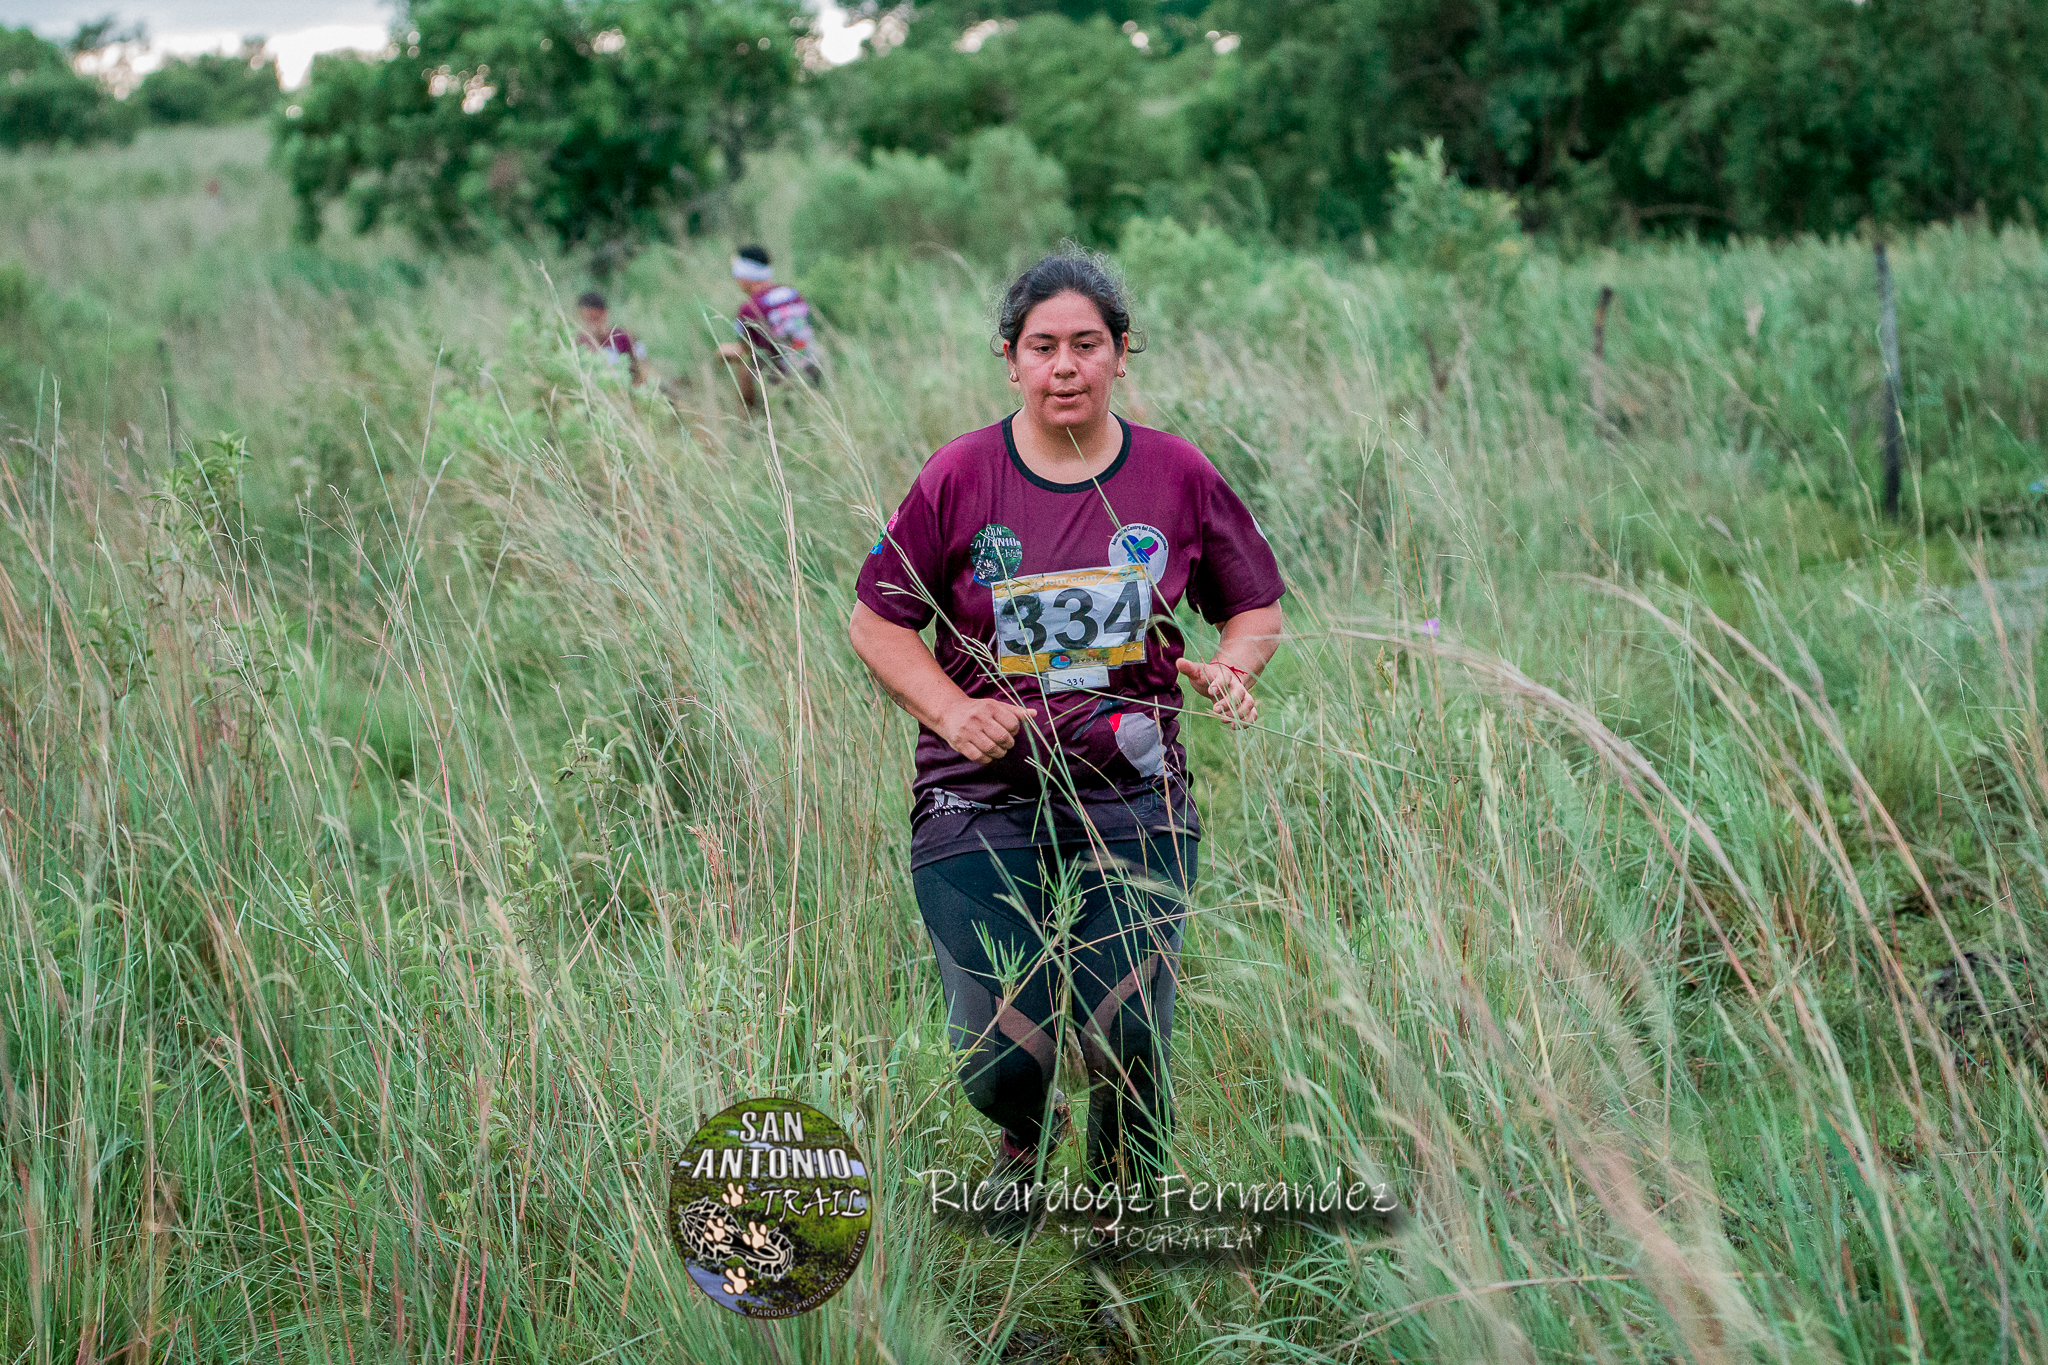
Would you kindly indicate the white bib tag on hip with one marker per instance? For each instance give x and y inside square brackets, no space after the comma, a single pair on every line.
[1071,627]
[1068,679]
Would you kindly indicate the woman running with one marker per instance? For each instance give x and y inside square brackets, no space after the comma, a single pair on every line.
[1054,548]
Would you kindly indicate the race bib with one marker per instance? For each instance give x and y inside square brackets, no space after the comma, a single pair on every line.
[1070,628]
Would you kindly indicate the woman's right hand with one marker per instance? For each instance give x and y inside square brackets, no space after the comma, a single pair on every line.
[982,730]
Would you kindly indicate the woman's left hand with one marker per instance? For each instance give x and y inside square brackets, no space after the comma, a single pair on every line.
[1225,687]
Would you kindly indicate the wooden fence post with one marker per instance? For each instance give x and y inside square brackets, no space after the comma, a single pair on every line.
[1888,346]
[1600,352]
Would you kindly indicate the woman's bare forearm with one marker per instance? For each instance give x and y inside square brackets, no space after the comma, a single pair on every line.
[982,730]
[1249,639]
[904,666]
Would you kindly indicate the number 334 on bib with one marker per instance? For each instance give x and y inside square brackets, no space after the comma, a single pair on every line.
[1056,623]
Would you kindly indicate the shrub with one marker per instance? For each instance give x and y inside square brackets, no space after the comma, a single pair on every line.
[1199,277]
[1208,279]
[210,88]
[1017,197]
[1010,201]
[1441,225]
[1077,90]
[902,202]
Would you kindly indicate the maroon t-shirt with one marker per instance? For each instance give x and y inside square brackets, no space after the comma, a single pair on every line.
[775,322]
[617,344]
[1160,524]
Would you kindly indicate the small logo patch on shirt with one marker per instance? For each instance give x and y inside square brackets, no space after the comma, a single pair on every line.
[997,553]
[1137,543]
[946,803]
[883,538]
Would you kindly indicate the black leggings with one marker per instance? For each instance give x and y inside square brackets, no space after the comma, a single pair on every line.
[1113,969]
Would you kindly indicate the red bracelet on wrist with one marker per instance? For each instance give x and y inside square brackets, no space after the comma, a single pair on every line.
[1241,673]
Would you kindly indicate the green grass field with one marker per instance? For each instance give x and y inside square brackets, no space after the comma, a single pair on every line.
[433,778]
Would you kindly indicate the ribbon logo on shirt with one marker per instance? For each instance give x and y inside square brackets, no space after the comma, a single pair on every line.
[1139,543]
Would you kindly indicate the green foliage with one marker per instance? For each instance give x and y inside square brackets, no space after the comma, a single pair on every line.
[1020,196]
[44,102]
[1076,90]
[899,200]
[1603,115]
[1203,278]
[1010,200]
[1474,236]
[943,18]
[210,88]
[585,120]
[1815,117]
[207,482]
[1319,92]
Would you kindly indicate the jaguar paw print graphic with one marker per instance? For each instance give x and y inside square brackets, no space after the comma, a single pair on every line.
[768,1250]
[768,1206]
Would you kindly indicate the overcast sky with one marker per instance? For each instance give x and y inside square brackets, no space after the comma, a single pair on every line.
[58,18]
[296,28]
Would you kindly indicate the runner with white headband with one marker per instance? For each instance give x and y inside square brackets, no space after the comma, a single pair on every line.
[774,325]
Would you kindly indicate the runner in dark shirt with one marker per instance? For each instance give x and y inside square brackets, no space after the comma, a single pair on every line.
[615,344]
[774,326]
[1053,550]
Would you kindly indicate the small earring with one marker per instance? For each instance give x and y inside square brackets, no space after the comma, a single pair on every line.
[1119,374]
[1013,376]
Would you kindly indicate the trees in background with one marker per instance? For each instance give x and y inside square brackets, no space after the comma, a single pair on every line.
[1813,117]
[590,121]
[1281,114]
[1525,95]
[1747,115]
[1599,116]
[1009,198]
[44,101]
[1168,22]
[600,118]
[1077,90]
[211,87]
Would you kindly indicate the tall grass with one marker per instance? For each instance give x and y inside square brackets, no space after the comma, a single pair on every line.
[417,814]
